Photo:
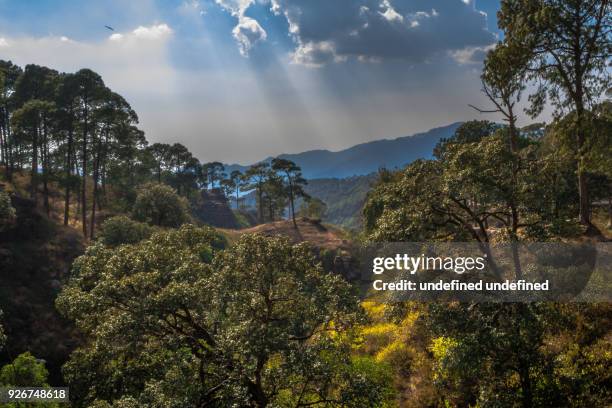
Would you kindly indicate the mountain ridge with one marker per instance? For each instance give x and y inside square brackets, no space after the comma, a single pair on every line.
[364,158]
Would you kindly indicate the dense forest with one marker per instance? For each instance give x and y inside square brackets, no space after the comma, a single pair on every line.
[159,310]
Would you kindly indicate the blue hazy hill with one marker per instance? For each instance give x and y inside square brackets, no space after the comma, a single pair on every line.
[367,157]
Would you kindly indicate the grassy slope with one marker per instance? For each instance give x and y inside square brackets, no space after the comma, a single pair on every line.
[319,235]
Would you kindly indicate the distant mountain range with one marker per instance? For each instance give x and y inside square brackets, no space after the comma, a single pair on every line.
[365,158]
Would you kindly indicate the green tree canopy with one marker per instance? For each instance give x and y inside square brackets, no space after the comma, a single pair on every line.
[159,205]
[25,371]
[175,321]
[120,230]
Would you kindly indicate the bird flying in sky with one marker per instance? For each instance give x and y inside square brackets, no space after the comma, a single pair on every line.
[110,28]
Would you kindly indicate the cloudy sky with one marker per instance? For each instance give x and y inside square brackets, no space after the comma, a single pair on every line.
[240,80]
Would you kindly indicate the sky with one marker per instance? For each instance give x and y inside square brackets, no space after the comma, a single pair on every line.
[240,80]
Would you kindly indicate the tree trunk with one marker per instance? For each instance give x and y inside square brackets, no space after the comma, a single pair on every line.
[525,385]
[514,244]
[9,152]
[34,172]
[3,147]
[610,211]
[68,177]
[84,173]
[94,199]
[45,168]
[291,204]
[584,197]
[260,196]
[513,130]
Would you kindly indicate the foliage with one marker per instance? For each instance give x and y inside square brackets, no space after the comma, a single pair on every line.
[159,205]
[344,198]
[7,211]
[312,208]
[2,335]
[291,175]
[26,371]
[489,354]
[121,230]
[174,321]
[568,43]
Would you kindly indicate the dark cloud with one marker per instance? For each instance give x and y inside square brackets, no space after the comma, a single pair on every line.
[376,30]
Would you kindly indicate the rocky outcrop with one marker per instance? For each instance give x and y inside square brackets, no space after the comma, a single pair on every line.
[212,208]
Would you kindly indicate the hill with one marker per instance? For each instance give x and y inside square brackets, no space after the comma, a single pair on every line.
[35,257]
[344,198]
[365,158]
[319,235]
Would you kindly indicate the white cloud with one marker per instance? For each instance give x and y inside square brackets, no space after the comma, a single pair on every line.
[135,62]
[378,30]
[316,54]
[153,32]
[390,14]
[248,31]
[471,55]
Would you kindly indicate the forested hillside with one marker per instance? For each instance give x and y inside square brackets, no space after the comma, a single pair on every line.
[112,285]
[343,198]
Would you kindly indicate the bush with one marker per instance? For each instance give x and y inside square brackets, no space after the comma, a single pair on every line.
[158,204]
[121,230]
[24,371]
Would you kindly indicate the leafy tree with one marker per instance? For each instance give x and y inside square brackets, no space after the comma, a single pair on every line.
[186,169]
[160,205]
[236,181]
[228,186]
[569,42]
[256,177]
[89,92]
[313,208]
[472,131]
[473,186]
[479,348]
[274,195]
[174,321]
[113,115]
[503,82]
[24,371]
[161,155]
[120,230]
[66,123]
[131,167]
[214,173]
[34,93]
[31,121]
[9,74]
[292,176]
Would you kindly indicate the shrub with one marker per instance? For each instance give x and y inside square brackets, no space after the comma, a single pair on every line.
[7,211]
[121,230]
[158,204]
